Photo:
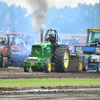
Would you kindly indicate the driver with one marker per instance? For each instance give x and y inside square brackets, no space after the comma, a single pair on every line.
[50,35]
[13,42]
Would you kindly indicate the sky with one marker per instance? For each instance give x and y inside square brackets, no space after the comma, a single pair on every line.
[60,19]
[51,3]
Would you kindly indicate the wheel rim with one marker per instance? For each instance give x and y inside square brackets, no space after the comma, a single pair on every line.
[66,59]
[49,67]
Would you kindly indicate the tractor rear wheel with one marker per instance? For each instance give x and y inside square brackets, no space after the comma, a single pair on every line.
[5,62]
[47,66]
[26,69]
[1,58]
[62,58]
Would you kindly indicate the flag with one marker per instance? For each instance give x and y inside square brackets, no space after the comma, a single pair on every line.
[7,24]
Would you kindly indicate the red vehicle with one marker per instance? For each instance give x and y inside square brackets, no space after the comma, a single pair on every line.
[13,52]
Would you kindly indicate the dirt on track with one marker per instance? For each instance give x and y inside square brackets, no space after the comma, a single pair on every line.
[16,73]
[48,93]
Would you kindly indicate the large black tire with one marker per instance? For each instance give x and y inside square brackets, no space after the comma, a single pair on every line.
[1,58]
[26,69]
[5,62]
[62,58]
[47,66]
[84,64]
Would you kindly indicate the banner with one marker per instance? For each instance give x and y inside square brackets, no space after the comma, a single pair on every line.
[7,24]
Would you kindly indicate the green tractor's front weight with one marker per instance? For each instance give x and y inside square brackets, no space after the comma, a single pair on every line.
[48,55]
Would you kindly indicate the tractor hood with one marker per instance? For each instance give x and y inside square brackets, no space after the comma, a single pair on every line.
[41,50]
[43,45]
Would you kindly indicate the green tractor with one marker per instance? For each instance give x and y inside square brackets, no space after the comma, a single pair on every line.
[49,55]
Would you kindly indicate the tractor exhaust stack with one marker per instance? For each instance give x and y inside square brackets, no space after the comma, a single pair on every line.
[41,36]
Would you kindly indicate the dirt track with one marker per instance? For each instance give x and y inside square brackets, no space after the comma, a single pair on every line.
[62,93]
[14,73]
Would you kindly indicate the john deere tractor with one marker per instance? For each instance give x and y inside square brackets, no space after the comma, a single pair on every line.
[49,55]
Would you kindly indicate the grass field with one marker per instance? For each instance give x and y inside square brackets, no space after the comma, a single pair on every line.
[21,83]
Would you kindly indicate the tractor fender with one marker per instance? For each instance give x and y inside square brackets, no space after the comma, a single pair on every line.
[3,50]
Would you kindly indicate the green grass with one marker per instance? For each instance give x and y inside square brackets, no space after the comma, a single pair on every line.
[21,83]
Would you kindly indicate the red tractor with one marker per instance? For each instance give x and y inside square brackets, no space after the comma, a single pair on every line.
[13,52]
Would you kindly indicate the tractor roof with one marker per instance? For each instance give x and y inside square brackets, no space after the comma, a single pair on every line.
[93,30]
[14,34]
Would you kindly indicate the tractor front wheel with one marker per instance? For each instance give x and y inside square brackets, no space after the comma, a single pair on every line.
[47,66]
[62,58]
[5,62]
[26,69]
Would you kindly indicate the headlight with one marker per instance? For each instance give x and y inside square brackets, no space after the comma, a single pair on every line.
[97,49]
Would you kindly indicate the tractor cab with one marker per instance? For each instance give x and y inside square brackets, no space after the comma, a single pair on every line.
[13,42]
[93,37]
[15,39]
[52,36]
